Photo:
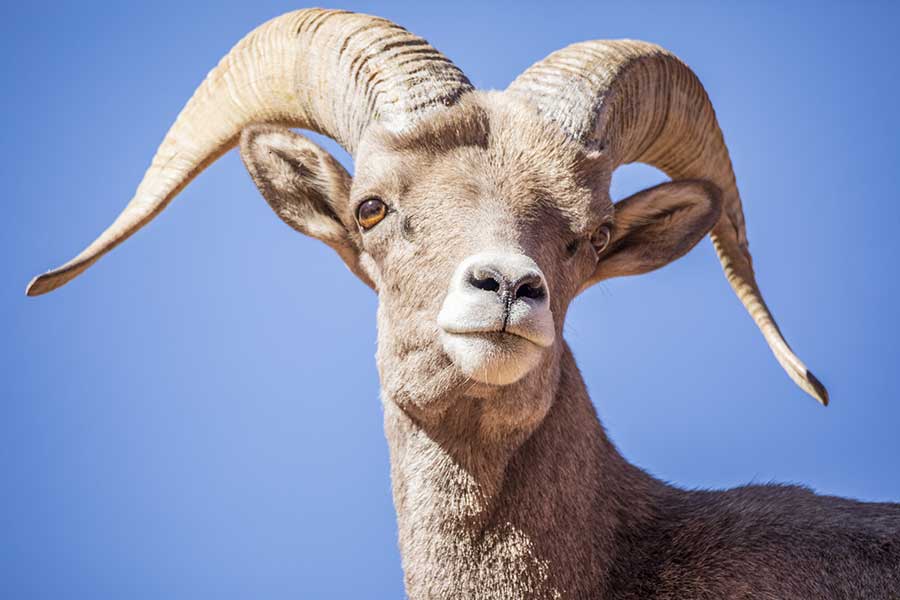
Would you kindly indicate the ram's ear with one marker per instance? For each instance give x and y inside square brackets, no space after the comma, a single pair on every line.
[305,186]
[656,226]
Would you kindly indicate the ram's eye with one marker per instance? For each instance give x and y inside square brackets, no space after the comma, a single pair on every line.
[600,238]
[370,213]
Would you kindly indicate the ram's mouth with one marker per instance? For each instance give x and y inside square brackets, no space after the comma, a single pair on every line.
[502,336]
[494,357]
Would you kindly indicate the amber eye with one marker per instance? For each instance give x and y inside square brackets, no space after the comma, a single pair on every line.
[600,239]
[370,213]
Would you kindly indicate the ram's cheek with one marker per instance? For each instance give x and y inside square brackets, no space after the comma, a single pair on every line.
[370,268]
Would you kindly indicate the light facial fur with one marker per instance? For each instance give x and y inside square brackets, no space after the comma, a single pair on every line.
[477,217]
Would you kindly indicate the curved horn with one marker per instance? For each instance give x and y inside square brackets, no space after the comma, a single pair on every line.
[332,72]
[639,103]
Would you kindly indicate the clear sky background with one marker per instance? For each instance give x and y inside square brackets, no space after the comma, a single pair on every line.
[198,415]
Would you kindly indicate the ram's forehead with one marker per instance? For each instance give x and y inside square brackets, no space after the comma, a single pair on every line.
[498,146]
[484,120]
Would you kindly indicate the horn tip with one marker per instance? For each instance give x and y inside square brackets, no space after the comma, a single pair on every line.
[42,284]
[820,393]
[51,280]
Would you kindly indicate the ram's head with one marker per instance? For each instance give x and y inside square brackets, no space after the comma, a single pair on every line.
[476,217]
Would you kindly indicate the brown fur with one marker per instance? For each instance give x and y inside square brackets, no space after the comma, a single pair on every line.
[514,491]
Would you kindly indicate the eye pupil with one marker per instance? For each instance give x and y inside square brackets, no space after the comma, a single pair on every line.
[371,212]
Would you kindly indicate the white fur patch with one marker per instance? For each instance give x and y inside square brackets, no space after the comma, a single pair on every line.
[492,340]
[492,358]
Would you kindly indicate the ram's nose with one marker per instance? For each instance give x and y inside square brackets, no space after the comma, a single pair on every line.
[510,276]
[499,292]
[496,319]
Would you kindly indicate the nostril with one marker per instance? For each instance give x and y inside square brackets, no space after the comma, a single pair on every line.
[529,287]
[530,291]
[485,280]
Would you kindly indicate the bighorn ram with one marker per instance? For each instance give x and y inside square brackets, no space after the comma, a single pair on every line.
[478,217]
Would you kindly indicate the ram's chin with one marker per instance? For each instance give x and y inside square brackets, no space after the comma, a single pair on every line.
[492,358]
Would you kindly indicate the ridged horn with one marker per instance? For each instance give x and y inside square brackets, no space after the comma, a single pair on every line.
[332,72]
[639,103]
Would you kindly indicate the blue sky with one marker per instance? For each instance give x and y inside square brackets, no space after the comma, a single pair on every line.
[193,419]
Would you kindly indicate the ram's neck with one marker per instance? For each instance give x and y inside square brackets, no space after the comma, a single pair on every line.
[479,521]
